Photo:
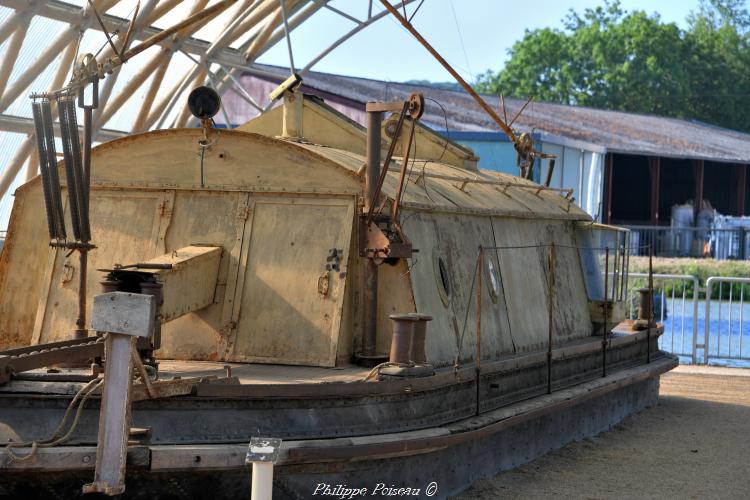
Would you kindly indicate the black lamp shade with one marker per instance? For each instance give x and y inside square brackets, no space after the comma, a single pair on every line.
[204,102]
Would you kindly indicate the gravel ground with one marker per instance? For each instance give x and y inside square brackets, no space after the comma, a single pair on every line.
[694,444]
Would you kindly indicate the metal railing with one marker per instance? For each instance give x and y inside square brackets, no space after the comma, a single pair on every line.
[725,334]
[710,333]
[674,306]
[729,243]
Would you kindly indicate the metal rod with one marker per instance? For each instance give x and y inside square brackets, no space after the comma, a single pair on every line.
[552,259]
[606,311]
[402,176]
[650,301]
[388,157]
[287,35]
[478,363]
[503,126]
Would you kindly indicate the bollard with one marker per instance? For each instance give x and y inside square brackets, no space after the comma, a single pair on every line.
[418,338]
[401,341]
[262,454]
[644,309]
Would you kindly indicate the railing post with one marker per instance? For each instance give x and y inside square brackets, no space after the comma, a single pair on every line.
[696,298]
[606,311]
[707,327]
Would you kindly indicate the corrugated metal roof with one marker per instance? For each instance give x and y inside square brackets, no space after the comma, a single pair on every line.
[617,131]
[436,186]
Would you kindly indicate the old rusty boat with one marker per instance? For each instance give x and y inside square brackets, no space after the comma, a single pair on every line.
[287,267]
[394,320]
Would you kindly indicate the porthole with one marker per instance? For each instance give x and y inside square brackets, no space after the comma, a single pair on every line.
[493,278]
[442,279]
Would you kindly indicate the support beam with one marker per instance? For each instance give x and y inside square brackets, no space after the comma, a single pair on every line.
[11,171]
[11,53]
[741,173]
[140,124]
[22,125]
[35,69]
[32,167]
[654,169]
[698,178]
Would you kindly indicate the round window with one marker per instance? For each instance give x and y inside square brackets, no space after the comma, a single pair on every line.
[442,279]
[493,279]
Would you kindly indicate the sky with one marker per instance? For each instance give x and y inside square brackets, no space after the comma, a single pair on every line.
[473,40]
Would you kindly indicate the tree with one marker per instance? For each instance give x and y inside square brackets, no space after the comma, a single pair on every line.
[632,61]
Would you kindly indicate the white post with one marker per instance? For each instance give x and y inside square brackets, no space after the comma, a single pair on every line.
[262,486]
[262,453]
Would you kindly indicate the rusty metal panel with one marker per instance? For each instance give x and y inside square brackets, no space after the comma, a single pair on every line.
[22,266]
[125,228]
[190,283]
[455,240]
[443,331]
[524,280]
[571,314]
[215,219]
[291,306]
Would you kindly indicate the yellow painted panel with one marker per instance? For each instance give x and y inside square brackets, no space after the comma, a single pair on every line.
[124,228]
[284,316]
[22,266]
[236,161]
[205,218]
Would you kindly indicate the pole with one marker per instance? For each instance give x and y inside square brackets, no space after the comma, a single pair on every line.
[606,311]
[262,484]
[650,301]
[478,364]
[81,331]
[372,177]
[551,282]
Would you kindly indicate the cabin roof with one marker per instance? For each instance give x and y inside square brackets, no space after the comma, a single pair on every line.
[437,186]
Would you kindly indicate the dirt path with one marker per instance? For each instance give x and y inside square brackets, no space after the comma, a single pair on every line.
[694,444]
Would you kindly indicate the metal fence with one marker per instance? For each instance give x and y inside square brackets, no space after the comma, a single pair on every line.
[701,324]
[730,243]
[676,300]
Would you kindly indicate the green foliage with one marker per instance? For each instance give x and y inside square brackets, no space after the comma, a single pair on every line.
[632,61]
[700,268]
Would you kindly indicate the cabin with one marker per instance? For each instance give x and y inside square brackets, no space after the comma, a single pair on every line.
[280,198]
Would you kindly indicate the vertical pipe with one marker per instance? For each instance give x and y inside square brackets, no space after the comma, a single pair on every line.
[606,311]
[81,330]
[478,361]
[650,301]
[551,283]
[374,120]
[372,176]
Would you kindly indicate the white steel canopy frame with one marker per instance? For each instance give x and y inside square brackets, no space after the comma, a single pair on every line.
[215,50]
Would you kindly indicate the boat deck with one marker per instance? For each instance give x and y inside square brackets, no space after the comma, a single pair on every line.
[252,373]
